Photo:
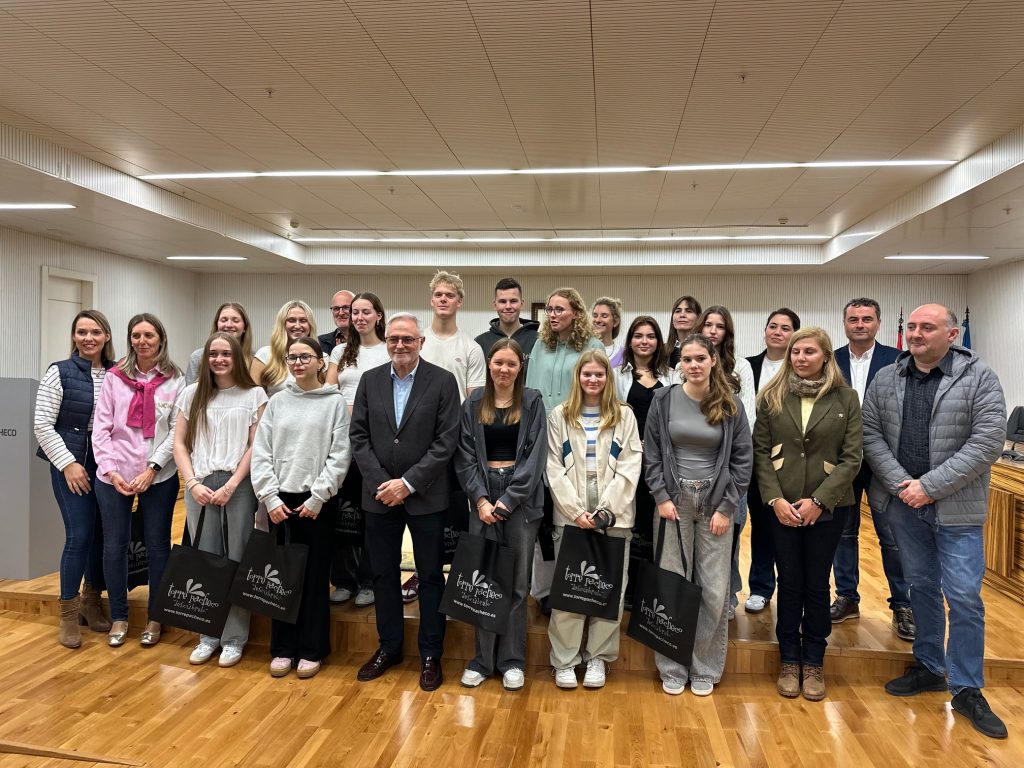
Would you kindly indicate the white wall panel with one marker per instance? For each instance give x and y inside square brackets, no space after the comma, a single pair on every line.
[123,287]
[818,299]
[996,299]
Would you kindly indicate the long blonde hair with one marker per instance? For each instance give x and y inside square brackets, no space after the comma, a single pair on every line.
[276,371]
[611,411]
[774,394]
[582,330]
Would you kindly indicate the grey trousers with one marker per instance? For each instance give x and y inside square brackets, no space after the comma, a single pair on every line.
[240,511]
[565,629]
[708,558]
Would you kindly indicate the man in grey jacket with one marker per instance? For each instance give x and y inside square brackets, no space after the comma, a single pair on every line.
[934,423]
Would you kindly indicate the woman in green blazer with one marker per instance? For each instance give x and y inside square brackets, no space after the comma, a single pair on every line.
[808,444]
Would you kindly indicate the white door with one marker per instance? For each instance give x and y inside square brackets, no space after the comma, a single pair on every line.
[65,294]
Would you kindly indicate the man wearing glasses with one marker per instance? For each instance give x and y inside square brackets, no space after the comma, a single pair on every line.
[341,311]
[405,427]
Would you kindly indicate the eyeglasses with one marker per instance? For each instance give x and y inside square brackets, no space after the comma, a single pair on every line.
[405,340]
[305,359]
[342,310]
[555,310]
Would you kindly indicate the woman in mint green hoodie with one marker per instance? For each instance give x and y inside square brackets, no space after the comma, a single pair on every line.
[299,459]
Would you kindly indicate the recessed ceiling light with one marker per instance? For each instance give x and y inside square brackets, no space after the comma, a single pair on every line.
[935,257]
[35,206]
[524,240]
[358,173]
[207,258]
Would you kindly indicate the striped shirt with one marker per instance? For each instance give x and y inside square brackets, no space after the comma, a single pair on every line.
[48,400]
[590,418]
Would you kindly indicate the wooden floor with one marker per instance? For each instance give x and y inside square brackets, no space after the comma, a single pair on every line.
[149,706]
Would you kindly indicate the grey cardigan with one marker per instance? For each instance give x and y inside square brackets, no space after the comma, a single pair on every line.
[732,471]
[525,493]
[965,437]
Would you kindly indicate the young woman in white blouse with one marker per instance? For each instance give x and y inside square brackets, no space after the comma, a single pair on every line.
[63,426]
[606,317]
[716,325]
[365,349]
[232,318]
[294,320]
[216,422]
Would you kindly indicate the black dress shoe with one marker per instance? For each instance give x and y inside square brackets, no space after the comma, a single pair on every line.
[972,705]
[903,623]
[430,674]
[380,663]
[844,608]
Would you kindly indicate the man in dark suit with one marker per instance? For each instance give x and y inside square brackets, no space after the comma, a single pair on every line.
[341,311]
[782,323]
[405,427]
[859,361]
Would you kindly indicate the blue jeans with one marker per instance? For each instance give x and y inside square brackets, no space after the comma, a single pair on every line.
[156,506]
[83,542]
[846,564]
[739,523]
[761,578]
[944,560]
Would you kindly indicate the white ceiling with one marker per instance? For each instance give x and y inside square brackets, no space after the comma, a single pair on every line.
[150,86]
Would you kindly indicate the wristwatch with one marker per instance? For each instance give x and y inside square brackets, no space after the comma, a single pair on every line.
[820,504]
[154,466]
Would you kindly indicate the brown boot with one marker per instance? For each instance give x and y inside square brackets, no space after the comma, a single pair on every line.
[814,683]
[70,636]
[92,610]
[789,680]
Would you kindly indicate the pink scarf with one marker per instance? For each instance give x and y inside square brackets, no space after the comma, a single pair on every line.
[142,409]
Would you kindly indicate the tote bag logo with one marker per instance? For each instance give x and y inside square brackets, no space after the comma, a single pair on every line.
[190,598]
[586,579]
[658,618]
[267,584]
[477,590]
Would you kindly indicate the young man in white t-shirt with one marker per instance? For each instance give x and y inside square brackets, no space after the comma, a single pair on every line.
[446,346]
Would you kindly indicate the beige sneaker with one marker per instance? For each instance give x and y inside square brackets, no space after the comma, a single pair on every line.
[814,684]
[789,680]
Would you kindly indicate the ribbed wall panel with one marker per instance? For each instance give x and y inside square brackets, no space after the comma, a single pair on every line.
[996,299]
[818,299]
[123,288]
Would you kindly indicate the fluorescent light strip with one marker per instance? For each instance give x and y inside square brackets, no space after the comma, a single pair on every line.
[935,257]
[526,240]
[356,173]
[35,206]
[207,258]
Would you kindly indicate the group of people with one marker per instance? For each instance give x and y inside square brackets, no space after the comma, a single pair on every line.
[536,426]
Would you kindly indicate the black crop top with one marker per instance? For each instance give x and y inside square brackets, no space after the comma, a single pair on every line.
[500,439]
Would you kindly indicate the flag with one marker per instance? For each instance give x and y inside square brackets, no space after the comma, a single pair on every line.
[899,332]
[966,336]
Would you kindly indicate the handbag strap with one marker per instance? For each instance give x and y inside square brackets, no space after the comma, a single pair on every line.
[661,543]
[199,528]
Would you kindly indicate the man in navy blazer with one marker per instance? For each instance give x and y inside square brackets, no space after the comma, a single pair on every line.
[859,361]
[405,428]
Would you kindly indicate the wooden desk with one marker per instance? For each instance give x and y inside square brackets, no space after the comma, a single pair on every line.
[1004,529]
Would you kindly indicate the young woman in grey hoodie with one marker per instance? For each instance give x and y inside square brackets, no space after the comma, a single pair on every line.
[299,459]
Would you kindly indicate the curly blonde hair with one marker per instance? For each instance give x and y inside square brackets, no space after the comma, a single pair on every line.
[582,330]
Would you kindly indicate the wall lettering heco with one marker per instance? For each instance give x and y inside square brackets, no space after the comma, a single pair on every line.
[8,432]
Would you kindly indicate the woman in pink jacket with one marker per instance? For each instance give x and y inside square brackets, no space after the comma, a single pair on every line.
[133,439]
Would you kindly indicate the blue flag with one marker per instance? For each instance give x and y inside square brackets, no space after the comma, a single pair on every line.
[966,335]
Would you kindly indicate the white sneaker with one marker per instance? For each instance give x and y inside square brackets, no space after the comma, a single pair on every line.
[341,595]
[731,613]
[673,687]
[471,678]
[595,676]
[230,655]
[365,598]
[701,687]
[514,679]
[566,677]
[203,652]
[755,604]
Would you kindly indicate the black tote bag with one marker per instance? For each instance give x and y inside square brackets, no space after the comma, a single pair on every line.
[665,606]
[193,594]
[138,554]
[349,524]
[479,586]
[588,573]
[271,575]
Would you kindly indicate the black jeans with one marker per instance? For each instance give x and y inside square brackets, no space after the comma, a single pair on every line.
[804,559]
[761,579]
[350,566]
[310,636]
[384,532]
